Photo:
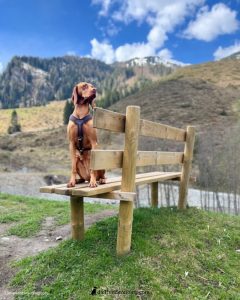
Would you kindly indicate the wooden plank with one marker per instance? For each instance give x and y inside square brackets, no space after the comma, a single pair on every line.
[62,189]
[186,168]
[109,187]
[68,191]
[125,218]
[106,159]
[118,195]
[158,130]
[50,188]
[112,159]
[163,177]
[108,120]
[155,158]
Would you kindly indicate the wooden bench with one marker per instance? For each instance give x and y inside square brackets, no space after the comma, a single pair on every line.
[123,188]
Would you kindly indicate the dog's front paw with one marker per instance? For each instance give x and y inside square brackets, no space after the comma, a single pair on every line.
[93,183]
[71,183]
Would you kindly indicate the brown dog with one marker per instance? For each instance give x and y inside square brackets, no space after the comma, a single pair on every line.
[82,136]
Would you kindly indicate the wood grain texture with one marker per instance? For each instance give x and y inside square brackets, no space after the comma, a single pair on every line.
[108,120]
[158,130]
[112,184]
[113,159]
[186,168]
[128,179]
[77,217]
[118,195]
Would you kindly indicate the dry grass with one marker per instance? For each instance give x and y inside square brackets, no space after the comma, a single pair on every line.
[34,118]
[223,73]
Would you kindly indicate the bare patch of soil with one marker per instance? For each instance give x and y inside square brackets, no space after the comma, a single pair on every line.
[15,248]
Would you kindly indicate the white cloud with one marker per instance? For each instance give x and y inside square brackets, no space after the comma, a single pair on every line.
[141,10]
[211,23]
[103,51]
[166,55]
[162,15]
[105,6]
[110,29]
[224,52]
[129,51]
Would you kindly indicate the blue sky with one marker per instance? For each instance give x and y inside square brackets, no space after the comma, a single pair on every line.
[189,31]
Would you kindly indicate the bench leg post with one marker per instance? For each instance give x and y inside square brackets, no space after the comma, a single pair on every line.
[77,217]
[154,194]
[124,227]
[186,168]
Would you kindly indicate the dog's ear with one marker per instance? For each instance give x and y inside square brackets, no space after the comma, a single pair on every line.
[76,95]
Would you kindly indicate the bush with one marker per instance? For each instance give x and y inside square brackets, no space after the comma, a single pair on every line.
[68,109]
[15,126]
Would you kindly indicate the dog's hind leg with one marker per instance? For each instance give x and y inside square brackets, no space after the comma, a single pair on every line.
[101,177]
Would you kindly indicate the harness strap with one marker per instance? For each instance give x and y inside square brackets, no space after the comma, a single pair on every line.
[79,123]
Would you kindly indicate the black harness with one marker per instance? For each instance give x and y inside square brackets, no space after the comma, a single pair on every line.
[79,123]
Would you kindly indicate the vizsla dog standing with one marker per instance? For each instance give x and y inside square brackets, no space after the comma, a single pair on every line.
[82,136]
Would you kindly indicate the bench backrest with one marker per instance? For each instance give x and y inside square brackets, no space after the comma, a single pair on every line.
[129,158]
[116,122]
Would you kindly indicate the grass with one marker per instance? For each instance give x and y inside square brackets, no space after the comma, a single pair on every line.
[29,213]
[222,73]
[34,118]
[175,255]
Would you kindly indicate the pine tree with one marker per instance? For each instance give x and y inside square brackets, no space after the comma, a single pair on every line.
[68,109]
[15,126]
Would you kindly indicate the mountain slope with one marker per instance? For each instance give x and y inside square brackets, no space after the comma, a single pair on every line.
[30,81]
[184,101]
[224,73]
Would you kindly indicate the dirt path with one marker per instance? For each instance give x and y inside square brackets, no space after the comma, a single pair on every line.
[14,248]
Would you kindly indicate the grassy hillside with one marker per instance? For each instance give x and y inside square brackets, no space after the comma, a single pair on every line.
[175,255]
[44,151]
[224,73]
[184,101]
[34,118]
[176,102]
[206,96]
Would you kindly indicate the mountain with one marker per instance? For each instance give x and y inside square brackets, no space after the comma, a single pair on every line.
[223,73]
[184,101]
[233,56]
[154,61]
[205,95]
[31,81]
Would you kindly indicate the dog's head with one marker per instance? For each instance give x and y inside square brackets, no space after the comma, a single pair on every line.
[83,93]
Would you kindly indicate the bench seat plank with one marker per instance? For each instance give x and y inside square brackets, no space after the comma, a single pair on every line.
[112,184]
[62,189]
[109,187]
